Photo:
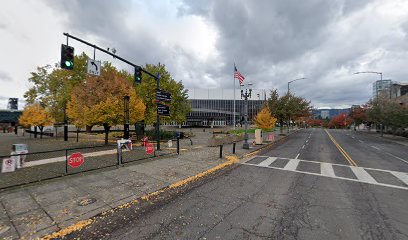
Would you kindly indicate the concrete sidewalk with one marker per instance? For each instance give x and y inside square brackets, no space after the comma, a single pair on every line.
[35,210]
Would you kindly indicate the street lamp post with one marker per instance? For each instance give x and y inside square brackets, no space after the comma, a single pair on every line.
[126,117]
[381,78]
[289,97]
[245,96]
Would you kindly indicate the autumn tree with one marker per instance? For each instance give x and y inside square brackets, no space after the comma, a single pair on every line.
[287,106]
[34,115]
[99,100]
[340,121]
[52,86]
[359,115]
[179,105]
[264,120]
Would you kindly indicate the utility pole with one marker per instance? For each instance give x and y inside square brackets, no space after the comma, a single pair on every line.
[289,99]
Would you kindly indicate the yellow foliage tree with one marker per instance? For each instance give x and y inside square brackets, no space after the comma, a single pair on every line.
[99,101]
[264,120]
[35,115]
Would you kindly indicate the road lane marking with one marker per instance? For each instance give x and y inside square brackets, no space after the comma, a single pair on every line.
[303,146]
[360,141]
[267,161]
[342,151]
[292,164]
[405,161]
[326,169]
[362,175]
[401,176]
[375,147]
[297,156]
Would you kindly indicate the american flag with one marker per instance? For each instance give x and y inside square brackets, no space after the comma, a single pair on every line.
[238,75]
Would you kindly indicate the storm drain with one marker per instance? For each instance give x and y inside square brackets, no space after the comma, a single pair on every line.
[86,201]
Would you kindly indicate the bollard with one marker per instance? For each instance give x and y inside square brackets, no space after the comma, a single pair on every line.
[221,151]
[233,147]
[178,145]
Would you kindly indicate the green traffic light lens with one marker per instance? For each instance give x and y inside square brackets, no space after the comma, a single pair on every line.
[68,63]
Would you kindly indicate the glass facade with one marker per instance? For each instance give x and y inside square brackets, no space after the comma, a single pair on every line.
[382,87]
[214,112]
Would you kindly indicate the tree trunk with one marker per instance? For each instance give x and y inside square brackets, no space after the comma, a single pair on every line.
[281,126]
[35,132]
[88,129]
[78,129]
[41,131]
[107,128]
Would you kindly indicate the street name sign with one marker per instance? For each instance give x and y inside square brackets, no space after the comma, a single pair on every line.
[94,67]
[163,96]
[163,110]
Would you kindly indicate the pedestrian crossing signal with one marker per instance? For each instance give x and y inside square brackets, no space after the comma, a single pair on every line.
[67,57]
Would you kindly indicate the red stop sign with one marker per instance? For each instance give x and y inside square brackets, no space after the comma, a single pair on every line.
[76,160]
[149,148]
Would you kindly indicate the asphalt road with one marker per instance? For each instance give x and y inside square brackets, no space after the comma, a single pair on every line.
[303,188]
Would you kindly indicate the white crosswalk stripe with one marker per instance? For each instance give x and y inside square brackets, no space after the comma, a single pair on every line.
[327,169]
[362,175]
[267,162]
[292,164]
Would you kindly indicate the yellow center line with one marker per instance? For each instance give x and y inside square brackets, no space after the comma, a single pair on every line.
[342,151]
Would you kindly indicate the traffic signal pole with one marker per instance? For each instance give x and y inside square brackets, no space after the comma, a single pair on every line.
[109,53]
[157,78]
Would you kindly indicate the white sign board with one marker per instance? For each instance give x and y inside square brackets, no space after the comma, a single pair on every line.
[9,165]
[94,67]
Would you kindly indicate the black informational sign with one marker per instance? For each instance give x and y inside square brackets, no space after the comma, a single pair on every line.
[163,96]
[163,110]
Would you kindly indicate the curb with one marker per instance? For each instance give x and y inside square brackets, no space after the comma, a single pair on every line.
[145,200]
[152,198]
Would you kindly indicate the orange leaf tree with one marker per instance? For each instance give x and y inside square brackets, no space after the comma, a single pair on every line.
[264,120]
[35,115]
[99,100]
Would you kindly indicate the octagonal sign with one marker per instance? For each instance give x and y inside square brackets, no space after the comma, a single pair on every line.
[76,160]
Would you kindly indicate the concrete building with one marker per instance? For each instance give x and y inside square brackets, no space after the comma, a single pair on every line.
[382,87]
[215,107]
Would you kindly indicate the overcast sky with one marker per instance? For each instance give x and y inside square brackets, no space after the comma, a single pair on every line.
[271,42]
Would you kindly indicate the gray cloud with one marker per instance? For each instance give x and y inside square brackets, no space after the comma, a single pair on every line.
[4,77]
[272,42]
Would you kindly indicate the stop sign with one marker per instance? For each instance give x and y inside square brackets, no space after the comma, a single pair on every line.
[149,148]
[76,160]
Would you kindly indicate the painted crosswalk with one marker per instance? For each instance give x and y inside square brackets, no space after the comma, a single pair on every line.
[386,178]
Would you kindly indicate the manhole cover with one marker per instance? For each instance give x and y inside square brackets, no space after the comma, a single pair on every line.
[86,201]
[3,229]
[139,184]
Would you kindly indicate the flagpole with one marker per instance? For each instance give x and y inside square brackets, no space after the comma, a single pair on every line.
[234,97]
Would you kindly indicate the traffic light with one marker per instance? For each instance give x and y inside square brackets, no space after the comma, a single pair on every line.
[67,57]
[138,75]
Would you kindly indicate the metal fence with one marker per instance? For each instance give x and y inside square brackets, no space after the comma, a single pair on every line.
[45,165]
